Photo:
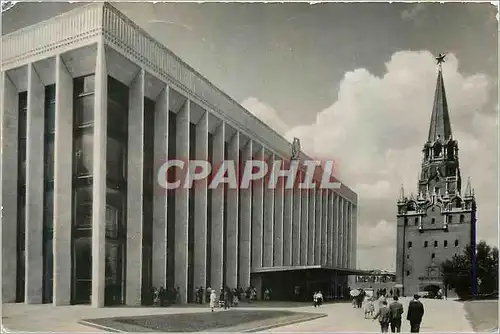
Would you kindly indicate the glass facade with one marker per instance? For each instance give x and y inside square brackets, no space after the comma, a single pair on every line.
[224,226]
[48,198]
[116,192]
[83,150]
[209,213]
[172,142]
[21,199]
[149,182]
[239,175]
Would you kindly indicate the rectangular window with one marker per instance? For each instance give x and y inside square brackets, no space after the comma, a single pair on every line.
[111,222]
[84,111]
[84,85]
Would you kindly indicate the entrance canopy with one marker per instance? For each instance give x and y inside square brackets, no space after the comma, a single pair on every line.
[342,271]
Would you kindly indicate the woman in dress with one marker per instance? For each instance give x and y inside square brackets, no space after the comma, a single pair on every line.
[213,300]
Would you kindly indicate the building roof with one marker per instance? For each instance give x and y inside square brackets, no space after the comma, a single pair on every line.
[440,126]
[59,34]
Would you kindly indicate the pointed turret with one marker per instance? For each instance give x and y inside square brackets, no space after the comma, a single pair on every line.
[401,194]
[440,127]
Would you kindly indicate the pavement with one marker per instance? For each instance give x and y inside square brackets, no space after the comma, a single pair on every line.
[483,315]
[440,316]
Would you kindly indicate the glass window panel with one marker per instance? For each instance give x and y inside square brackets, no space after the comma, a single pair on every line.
[83,208]
[118,91]
[50,93]
[84,85]
[84,151]
[49,209]
[111,222]
[23,116]
[50,117]
[115,164]
[84,110]
[49,159]
[112,262]
[117,116]
[83,259]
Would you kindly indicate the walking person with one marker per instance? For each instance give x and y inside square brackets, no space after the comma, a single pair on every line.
[319,296]
[396,309]
[384,317]
[415,314]
[213,300]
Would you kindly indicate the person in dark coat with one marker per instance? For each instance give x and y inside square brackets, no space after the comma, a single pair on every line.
[415,314]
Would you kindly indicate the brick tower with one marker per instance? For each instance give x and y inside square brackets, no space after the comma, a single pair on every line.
[437,221]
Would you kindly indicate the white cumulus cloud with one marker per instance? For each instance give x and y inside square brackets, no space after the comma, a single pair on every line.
[375,132]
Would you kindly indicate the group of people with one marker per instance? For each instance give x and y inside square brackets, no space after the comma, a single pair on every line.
[391,315]
[318,299]
[228,298]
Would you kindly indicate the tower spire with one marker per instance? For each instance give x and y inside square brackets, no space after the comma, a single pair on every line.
[468,188]
[440,126]
[402,193]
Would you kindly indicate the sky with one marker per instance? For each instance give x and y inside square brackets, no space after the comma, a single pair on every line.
[355,83]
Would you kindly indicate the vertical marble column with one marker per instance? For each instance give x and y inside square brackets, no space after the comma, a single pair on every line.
[345,240]
[288,225]
[318,227]
[232,217]
[257,216]
[324,227]
[182,204]
[278,220]
[330,232]
[200,206]
[296,223]
[99,173]
[34,187]
[160,207]
[337,217]
[269,217]
[63,180]
[216,265]
[354,238]
[304,225]
[311,249]
[135,190]
[343,213]
[9,191]
[348,236]
[245,234]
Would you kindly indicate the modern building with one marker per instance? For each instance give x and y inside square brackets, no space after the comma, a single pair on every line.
[91,107]
[439,221]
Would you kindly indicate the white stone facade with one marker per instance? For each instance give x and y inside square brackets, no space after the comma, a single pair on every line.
[277,227]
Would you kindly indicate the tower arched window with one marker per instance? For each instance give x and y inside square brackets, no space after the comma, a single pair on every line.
[416,221]
[462,218]
[426,244]
[433,220]
[435,244]
[410,244]
[450,219]
[406,221]
[446,243]
[456,243]
[407,273]
[433,256]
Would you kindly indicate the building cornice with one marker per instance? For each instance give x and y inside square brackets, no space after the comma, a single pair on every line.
[87,24]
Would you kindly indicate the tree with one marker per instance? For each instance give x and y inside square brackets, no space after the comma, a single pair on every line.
[457,273]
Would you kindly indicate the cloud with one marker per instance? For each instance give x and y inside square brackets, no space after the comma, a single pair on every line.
[376,129]
[266,113]
[413,12]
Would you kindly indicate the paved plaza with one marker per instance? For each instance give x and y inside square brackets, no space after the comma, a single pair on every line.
[440,316]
